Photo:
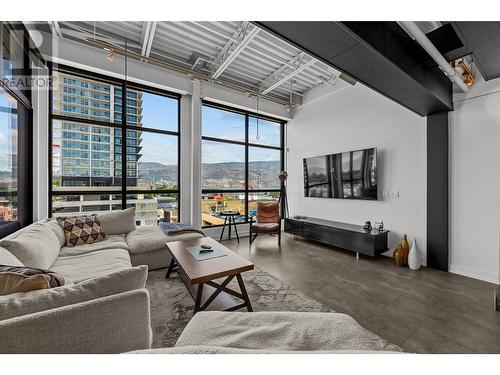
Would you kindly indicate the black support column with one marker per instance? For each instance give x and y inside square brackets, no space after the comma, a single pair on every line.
[437,191]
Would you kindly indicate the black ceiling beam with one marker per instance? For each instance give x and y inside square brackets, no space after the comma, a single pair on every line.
[483,39]
[379,54]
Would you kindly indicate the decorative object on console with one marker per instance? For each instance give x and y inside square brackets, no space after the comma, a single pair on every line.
[399,256]
[380,226]
[406,247]
[367,227]
[283,199]
[414,257]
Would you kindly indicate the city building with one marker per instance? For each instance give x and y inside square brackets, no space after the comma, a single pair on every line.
[91,155]
[88,156]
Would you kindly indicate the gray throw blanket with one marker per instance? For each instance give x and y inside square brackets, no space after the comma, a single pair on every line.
[172,229]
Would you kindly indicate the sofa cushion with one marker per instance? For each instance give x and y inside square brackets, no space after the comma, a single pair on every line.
[35,246]
[7,258]
[117,282]
[155,260]
[86,266]
[24,279]
[116,241]
[145,239]
[296,331]
[81,230]
[119,222]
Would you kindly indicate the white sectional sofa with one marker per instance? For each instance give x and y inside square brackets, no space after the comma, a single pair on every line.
[103,307]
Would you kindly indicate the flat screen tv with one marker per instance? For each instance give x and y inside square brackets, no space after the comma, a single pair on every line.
[346,175]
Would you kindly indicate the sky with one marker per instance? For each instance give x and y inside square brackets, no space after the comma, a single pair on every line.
[227,125]
[160,112]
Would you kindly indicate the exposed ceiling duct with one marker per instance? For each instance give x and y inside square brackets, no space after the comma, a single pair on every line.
[416,33]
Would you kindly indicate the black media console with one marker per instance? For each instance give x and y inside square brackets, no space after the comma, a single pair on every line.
[347,236]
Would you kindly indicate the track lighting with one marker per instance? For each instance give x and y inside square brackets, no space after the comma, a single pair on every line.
[287,108]
[191,78]
[249,96]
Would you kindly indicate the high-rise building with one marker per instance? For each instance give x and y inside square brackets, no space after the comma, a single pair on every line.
[87,155]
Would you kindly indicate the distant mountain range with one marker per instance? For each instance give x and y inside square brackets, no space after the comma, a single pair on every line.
[261,174]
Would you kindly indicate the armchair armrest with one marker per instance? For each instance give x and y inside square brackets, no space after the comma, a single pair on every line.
[112,324]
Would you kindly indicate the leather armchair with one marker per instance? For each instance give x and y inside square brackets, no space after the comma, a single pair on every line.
[268,221]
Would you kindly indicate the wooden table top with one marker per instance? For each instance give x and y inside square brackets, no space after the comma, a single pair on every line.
[200,271]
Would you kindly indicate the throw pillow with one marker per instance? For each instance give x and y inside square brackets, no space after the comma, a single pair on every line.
[35,246]
[6,257]
[24,279]
[119,222]
[81,230]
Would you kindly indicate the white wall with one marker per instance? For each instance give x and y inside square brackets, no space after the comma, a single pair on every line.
[475,182]
[352,118]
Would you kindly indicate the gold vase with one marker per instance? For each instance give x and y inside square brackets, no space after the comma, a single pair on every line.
[398,256]
[405,248]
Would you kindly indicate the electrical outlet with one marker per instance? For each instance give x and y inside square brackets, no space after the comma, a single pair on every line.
[395,194]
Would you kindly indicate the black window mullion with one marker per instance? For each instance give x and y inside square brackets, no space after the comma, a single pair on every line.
[151,130]
[246,168]
[49,154]
[124,145]
[85,121]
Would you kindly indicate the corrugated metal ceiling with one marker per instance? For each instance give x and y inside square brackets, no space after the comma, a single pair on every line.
[236,52]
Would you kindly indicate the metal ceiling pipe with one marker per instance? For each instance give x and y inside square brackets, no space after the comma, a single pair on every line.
[415,32]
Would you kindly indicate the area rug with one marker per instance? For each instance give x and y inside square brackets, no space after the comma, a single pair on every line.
[172,305]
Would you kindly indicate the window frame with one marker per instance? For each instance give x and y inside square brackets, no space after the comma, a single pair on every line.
[24,135]
[124,85]
[247,145]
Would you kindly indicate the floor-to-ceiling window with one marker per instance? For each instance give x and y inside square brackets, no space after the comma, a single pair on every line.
[17,60]
[242,157]
[111,151]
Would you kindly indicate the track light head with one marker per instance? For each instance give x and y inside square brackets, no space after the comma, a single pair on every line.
[110,55]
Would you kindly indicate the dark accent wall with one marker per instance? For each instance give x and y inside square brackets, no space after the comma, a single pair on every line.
[437,191]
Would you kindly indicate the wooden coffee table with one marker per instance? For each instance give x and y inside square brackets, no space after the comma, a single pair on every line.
[198,275]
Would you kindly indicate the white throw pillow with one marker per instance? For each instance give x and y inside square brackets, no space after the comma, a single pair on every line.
[118,222]
[8,259]
[36,246]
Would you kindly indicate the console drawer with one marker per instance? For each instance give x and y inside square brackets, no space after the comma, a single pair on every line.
[339,238]
[293,227]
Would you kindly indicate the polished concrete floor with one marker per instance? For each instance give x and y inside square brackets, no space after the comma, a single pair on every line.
[425,311]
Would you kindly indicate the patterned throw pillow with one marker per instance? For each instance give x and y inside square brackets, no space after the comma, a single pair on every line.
[81,230]
[24,279]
